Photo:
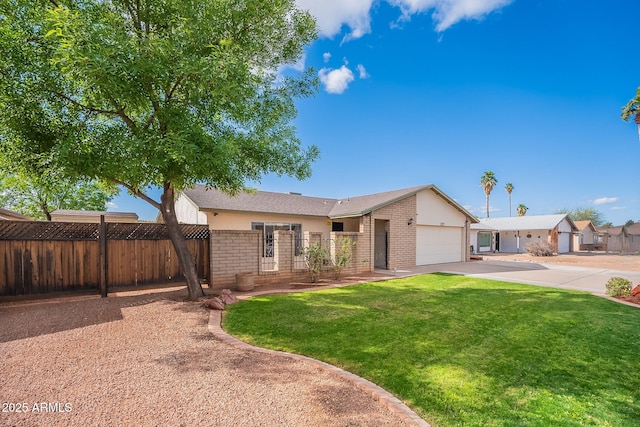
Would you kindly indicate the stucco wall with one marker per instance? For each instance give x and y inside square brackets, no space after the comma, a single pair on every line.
[509,239]
[226,220]
[432,209]
[188,213]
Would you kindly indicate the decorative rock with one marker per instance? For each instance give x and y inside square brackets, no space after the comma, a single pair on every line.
[635,291]
[227,297]
[214,303]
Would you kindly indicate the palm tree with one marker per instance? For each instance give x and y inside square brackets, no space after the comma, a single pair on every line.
[488,181]
[521,209]
[632,109]
[509,188]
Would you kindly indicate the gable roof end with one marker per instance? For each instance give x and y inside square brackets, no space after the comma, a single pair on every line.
[363,205]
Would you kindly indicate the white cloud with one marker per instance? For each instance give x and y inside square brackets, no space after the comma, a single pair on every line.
[605,200]
[332,15]
[336,81]
[449,12]
[480,211]
[362,72]
[326,56]
[111,205]
[618,208]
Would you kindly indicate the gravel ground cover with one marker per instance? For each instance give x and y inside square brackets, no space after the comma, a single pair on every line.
[147,359]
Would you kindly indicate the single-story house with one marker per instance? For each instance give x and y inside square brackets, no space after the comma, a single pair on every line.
[586,238]
[615,238]
[633,238]
[70,215]
[513,234]
[7,215]
[623,239]
[396,229]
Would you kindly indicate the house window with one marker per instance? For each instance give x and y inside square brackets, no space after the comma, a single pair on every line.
[337,226]
[268,234]
[484,240]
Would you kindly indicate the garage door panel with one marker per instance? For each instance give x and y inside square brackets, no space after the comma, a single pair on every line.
[436,245]
[564,243]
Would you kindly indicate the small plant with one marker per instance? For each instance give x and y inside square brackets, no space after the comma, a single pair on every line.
[540,248]
[314,257]
[342,256]
[618,287]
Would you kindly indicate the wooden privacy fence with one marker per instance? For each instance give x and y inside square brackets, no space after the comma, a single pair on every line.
[38,257]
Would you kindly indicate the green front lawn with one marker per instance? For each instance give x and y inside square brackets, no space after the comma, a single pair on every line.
[465,351]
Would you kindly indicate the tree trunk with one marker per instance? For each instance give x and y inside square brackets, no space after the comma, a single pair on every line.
[180,243]
[487,203]
[45,210]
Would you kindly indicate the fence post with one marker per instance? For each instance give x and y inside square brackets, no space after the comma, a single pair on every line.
[103,256]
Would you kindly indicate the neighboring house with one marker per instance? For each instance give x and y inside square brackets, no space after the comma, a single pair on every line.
[623,239]
[601,236]
[7,215]
[67,215]
[586,237]
[513,234]
[396,229]
[615,237]
[633,238]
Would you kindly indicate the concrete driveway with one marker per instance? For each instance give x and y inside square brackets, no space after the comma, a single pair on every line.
[558,276]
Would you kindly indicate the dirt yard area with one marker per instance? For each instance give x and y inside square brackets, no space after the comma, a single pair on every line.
[147,358]
[576,259]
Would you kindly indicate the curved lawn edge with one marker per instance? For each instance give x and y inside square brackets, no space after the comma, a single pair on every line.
[387,399]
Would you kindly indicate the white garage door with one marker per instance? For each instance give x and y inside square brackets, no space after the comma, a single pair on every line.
[435,245]
[564,240]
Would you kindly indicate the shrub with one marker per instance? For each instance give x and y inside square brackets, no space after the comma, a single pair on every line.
[618,287]
[344,246]
[314,257]
[540,248]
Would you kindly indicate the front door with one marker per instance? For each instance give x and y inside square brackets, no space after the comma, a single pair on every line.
[381,244]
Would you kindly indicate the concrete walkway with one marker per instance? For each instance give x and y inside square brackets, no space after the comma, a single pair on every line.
[557,276]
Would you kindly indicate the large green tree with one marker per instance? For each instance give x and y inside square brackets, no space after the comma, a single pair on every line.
[488,181]
[584,214]
[157,93]
[39,195]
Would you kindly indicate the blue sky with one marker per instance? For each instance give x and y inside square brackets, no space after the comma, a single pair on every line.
[439,91]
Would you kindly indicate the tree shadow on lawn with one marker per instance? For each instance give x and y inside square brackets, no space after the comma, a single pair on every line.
[514,349]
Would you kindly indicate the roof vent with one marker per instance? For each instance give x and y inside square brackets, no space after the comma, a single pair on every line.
[295,194]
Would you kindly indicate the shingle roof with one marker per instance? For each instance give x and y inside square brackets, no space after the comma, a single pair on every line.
[614,231]
[633,229]
[72,212]
[361,205]
[581,225]
[6,214]
[295,204]
[532,222]
[261,201]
